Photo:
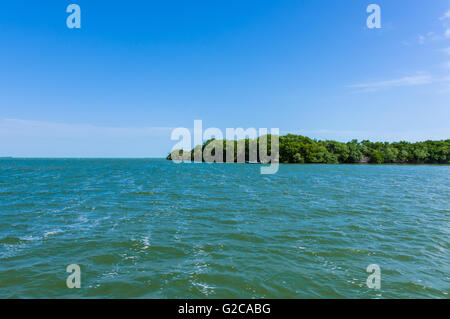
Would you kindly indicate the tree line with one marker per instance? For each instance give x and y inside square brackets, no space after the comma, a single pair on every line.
[302,149]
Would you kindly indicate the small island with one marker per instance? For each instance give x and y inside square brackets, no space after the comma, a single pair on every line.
[297,149]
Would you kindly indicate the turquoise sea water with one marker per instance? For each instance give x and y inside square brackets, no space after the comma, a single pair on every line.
[154,229]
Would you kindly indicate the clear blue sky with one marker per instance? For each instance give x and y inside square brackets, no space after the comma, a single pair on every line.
[136,69]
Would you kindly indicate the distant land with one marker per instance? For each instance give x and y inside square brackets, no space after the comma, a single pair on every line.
[297,149]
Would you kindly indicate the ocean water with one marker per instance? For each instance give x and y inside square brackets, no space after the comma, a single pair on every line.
[154,229]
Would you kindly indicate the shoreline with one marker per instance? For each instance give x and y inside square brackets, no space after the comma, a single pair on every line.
[298,149]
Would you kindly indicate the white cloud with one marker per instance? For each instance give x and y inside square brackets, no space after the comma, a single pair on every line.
[446,50]
[446,15]
[428,37]
[23,138]
[25,128]
[447,33]
[421,39]
[405,81]
[447,65]
[445,89]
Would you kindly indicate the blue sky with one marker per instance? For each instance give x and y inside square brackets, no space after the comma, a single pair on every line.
[136,69]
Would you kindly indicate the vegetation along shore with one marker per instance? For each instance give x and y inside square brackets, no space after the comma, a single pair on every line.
[301,149]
